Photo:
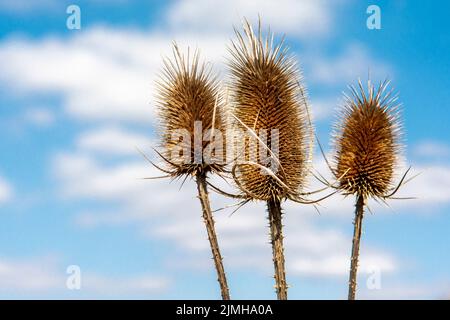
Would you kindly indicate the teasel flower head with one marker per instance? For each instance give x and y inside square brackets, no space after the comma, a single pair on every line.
[191,126]
[368,147]
[189,105]
[267,96]
[367,139]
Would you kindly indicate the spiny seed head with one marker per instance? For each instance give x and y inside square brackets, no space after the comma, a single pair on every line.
[367,141]
[266,94]
[187,94]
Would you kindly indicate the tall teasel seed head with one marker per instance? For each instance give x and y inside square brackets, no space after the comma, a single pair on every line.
[267,95]
[367,141]
[188,102]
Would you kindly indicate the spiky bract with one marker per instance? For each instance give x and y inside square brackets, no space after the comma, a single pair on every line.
[367,141]
[266,94]
[187,93]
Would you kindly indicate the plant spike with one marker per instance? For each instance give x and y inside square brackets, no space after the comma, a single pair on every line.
[367,142]
[187,93]
[266,94]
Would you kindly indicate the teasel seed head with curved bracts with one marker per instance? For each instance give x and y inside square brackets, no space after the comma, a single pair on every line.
[187,92]
[189,106]
[367,142]
[267,96]
[367,151]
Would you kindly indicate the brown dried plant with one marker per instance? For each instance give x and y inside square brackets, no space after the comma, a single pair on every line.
[367,149]
[266,95]
[188,95]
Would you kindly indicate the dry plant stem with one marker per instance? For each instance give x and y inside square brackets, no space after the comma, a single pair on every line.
[209,222]
[359,214]
[276,234]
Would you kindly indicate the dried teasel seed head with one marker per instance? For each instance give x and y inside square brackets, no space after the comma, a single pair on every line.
[267,96]
[367,141]
[190,108]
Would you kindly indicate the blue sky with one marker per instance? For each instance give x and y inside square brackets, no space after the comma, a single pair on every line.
[74,104]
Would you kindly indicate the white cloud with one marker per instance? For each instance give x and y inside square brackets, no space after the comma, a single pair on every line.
[31,275]
[431,149]
[310,251]
[323,108]
[117,286]
[27,6]
[47,275]
[164,212]
[94,83]
[100,74]
[406,291]
[335,264]
[83,177]
[6,191]
[113,140]
[431,187]
[305,18]
[89,219]
[352,63]
[148,201]
[160,210]
[108,74]
[40,117]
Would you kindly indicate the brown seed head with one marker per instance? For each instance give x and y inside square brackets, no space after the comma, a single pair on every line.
[266,95]
[187,93]
[367,141]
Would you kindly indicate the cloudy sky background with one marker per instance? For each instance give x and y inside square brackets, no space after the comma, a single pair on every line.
[75,104]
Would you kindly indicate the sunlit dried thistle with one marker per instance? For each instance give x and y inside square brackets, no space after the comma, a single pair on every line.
[266,94]
[367,142]
[189,94]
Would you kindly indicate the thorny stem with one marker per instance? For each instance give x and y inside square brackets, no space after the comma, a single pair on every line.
[276,234]
[359,213]
[212,237]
